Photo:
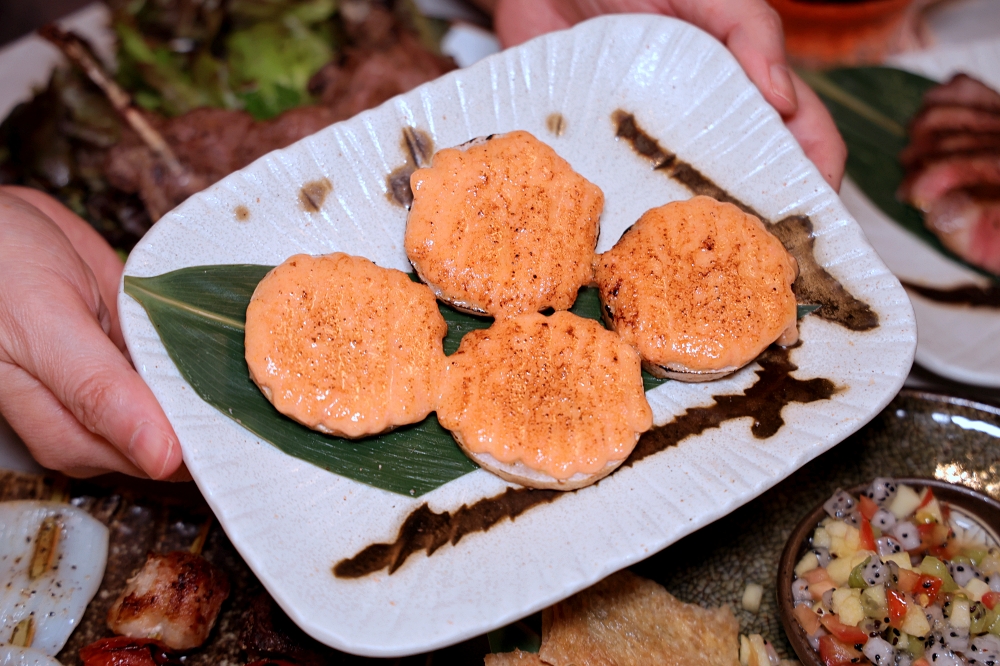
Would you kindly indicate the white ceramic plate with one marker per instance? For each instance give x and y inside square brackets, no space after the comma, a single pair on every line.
[292,521]
[954,341]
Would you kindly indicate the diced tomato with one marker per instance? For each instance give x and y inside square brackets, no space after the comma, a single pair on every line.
[897,607]
[921,662]
[937,540]
[807,618]
[816,590]
[816,575]
[125,651]
[928,495]
[928,586]
[834,652]
[991,599]
[850,635]
[867,540]
[867,507]
[907,580]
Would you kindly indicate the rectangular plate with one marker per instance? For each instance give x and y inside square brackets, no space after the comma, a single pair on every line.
[293,522]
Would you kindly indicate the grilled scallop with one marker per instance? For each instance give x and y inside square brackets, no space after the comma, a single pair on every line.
[548,402]
[502,226]
[700,288]
[344,346]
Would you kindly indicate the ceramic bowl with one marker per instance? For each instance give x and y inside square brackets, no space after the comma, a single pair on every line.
[983,510]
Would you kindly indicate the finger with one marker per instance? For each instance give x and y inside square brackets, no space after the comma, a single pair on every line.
[751,30]
[816,132]
[517,21]
[53,435]
[92,248]
[66,350]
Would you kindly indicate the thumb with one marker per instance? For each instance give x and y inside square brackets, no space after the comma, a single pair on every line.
[87,373]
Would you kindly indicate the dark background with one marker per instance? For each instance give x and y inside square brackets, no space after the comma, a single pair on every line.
[19,17]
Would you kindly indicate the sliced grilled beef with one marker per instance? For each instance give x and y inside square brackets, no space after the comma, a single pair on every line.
[968,224]
[933,119]
[925,186]
[937,146]
[963,90]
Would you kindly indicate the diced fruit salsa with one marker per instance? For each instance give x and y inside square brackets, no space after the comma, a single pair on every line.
[888,581]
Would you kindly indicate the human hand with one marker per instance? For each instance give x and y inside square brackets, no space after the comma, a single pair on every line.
[750,29]
[66,386]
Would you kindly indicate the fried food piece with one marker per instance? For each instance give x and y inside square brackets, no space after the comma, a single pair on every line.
[502,226]
[548,402]
[513,659]
[625,619]
[175,598]
[700,288]
[344,346]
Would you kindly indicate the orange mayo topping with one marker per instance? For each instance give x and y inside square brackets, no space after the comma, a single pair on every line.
[344,346]
[560,394]
[699,286]
[503,225]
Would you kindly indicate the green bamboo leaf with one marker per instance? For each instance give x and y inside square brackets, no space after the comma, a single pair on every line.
[872,107]
[803,310]
[200,314]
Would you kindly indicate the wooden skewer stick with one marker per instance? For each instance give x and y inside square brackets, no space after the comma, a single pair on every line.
[24,633]
[78,51]
[199,542]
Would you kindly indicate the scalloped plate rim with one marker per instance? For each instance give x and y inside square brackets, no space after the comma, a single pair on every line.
[835,229]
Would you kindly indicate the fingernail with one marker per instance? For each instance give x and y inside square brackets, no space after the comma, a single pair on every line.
[150,449]
[781,84]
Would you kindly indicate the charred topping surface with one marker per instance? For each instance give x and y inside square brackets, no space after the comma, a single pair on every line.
[418,147]
[425,529]
[313,195]
[973,295]
[814,284]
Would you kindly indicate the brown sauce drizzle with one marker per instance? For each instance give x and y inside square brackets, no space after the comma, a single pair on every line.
[665,161]
[419,148]
[242,213]
[969,294]
[313,194]
[764,401]
[556,123]
[814,284]
[427,530]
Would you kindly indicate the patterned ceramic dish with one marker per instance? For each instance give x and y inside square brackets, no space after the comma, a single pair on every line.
[650,109]
[975,511]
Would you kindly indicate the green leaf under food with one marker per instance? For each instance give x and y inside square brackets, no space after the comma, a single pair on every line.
[803,310]
[200,314]
[872,107]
